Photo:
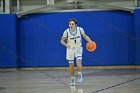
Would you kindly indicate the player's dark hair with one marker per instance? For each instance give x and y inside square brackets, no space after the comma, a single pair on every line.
[73,19]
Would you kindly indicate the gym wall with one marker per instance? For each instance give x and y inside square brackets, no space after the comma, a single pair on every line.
[7,40]
[38,36]
[137,29]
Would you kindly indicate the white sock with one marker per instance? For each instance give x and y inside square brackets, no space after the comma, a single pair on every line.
[79,72]
[72,77]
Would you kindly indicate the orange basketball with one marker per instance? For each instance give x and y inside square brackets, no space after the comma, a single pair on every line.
[91,46]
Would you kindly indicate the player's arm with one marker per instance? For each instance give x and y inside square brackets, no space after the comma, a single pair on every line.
[86,37]
[63,42]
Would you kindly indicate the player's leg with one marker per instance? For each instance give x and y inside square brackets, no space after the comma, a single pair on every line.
[79,63]
[71,70]
[79,68]
[70,58]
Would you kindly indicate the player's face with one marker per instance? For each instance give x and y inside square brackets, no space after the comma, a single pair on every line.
[72,25]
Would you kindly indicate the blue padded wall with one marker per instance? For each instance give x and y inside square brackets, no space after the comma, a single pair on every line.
[7,40]
[40,36]
[137,29]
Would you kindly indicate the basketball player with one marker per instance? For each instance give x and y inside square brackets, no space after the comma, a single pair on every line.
[74,48]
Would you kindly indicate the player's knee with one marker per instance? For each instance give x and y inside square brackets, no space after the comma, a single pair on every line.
[71,61]
[79,58]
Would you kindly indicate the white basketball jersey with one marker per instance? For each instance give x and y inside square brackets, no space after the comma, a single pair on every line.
[74,39]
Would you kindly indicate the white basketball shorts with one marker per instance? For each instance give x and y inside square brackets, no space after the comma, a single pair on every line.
[74,52]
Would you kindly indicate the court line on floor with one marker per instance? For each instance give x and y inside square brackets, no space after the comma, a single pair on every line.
[116,85]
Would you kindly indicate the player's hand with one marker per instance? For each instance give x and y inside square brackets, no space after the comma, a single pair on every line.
[68,46]
[90,41]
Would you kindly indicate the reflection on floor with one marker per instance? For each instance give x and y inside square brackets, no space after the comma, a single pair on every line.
[57,81]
